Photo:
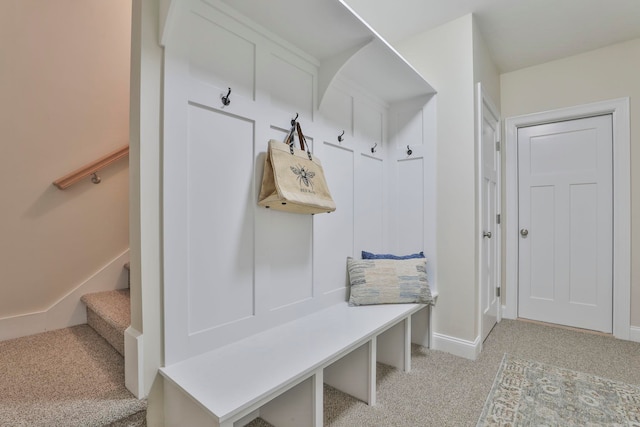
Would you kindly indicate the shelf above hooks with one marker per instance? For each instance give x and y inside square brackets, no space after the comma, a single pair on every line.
[352,49]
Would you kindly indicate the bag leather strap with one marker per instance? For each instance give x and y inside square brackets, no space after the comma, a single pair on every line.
[303,141]
[289,139]
[301,138]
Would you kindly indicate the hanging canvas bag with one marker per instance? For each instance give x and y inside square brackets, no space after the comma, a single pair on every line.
[293,180]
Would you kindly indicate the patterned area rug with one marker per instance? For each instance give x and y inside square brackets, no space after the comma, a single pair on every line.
[527,393]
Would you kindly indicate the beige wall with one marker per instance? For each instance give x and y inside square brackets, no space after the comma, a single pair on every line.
[484,69]
[64,85]
[602,74]
[444,56]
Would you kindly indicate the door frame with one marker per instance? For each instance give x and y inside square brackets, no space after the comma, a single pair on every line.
[483,99]
[619,109]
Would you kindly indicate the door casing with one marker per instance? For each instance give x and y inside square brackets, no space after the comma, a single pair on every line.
[484,103]
[619,109]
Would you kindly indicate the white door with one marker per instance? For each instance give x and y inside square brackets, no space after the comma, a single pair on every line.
[565,219]
[490,208]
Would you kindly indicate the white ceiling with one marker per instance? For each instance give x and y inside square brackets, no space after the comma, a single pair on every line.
[519,33]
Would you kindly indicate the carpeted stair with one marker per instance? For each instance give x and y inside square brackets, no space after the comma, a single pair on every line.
[109,314]
[72,377]
[65,378]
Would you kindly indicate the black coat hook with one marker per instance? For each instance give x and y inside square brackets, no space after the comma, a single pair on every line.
[293,121]
[226,100]
[409,152]
[341,137]
[373,149]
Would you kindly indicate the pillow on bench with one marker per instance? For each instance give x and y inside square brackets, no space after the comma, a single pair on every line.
[388,281]
[369,255]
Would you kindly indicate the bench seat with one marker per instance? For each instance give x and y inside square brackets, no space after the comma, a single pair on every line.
[338,345]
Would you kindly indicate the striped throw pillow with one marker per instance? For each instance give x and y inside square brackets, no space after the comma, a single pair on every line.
[388,281]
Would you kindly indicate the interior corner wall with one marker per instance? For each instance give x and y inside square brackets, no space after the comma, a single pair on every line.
[64,81]
[485,70]
[444,56]
[607,73]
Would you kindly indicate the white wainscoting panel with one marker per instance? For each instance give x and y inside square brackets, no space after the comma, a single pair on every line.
[222,57]
[220,218]
[410,205]
[370,205]
[290,258]
[368,122]
[409,126]
[288,245]
[333,233]
[291,87]
[337,109]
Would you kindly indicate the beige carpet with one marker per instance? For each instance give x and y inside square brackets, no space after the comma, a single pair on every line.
[109,314]
[445,390]
[69,377]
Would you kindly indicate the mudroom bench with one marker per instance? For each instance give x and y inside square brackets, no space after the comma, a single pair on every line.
[278,374]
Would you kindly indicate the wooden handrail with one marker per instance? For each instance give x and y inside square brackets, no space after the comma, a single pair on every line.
[91,168]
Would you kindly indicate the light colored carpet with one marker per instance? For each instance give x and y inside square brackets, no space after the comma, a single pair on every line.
[113,306]
[69,377]
[529,393]
[445,390]
[109,314]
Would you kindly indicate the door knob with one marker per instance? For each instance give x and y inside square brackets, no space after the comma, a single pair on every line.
[524,232]
[486,234]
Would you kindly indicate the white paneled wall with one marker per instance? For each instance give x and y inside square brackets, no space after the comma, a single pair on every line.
[220,252]
[370,204]
[232,268]
[334,233]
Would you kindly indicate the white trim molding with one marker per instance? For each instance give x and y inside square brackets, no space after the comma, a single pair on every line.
[133,361]
[482,99]
[619,109]
[68,310]
[634,333]
[456,346]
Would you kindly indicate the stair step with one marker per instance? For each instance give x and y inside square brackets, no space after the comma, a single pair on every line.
[67,377]
[127,267]
[109,314]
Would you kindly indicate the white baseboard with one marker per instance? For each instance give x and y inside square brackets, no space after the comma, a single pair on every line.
[22,325]
[634,333]
[457,346]
[133,362]
[68,310]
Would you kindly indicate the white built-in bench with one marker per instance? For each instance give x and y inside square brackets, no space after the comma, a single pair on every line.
[279,373]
